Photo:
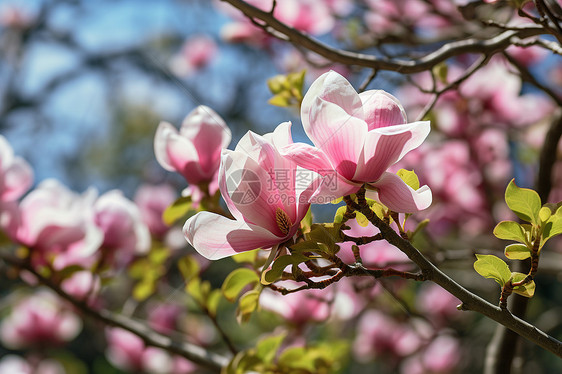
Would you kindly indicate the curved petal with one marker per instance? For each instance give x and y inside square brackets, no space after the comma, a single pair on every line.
[333,88]
[399,197]
[333,187]
[252,190]
[18,178]
[387,145]
[308,157]
[339,135]
[216,237]
[209,134]
[163,132]
[381,109]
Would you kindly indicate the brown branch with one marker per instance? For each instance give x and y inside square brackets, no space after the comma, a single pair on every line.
[405,66]
[192,352]
[469,300]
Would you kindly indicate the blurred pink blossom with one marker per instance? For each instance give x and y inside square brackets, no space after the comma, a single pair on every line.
[152,201]
[58,225]
[195,150]
[128,352]
[378,335]
[300,307]
[197,52]
[357,138]
[12,16]
[39,320]
[16,176]
[437,304]
[82,285]
[125,234]
[164,317]
[441,356]
[12,364]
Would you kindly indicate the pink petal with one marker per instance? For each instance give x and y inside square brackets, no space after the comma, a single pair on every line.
[387,145]
[333,88]
[308,157]
[339,135]
[398,196]
[216,237]
[18,178]
[381,109]
[333,187]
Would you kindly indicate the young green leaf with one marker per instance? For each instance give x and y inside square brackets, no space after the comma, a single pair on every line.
[553,226]
[236,281]
[527,289]
[524,202]
[490,266]
[247,304]
[517,252]
[510,230]
[180,208]
[544,214]
[270,276]
[409,177]
[361,219]
[189,267]
[338,217]
[266,349]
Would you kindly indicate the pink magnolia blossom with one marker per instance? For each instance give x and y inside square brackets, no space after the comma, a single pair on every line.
[125,234]
[195,150]
[164,317]
[441,356]
[152,201]
[437,303]
[196,53]
[357,138]
[12,364]
[58,225]
[310,16]
[82,285]
[128,352]
[263,192]
[300,307]
[39,320]
[16,175]
[379,336]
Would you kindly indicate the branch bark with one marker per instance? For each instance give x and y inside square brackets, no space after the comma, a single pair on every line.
[471,45]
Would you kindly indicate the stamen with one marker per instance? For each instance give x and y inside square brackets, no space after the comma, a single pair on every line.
[283,221]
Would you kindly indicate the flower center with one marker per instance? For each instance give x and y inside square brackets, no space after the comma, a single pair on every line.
[283,221]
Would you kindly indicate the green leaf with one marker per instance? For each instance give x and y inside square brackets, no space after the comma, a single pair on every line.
[337,201]
[328,234]
[338,217]
[490,266]
[296,357]
[270,276]
[276,84]
[527,290]
[510,230]
[282,99]
[524,202]
[158,255]
[68,271]
[189,267]
[246,257]
[296,80]
[553,226]
[517,252]
[177,210]
[199,290]
[144,289]
[409,177]
[266,349]
[236,281]
[544,214]
[441,71]
[306,222]
[361,219]
[213,302]
[247,304]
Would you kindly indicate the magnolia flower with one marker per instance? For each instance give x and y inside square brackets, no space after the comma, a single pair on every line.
[58,224]
[40,319]
[358,137]
[152,201]
[195,150]
[125,234]
[265,192]
[15,174]
[196,53]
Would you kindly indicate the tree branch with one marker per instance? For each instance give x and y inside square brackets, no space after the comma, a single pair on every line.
[409,66]
[192,352]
